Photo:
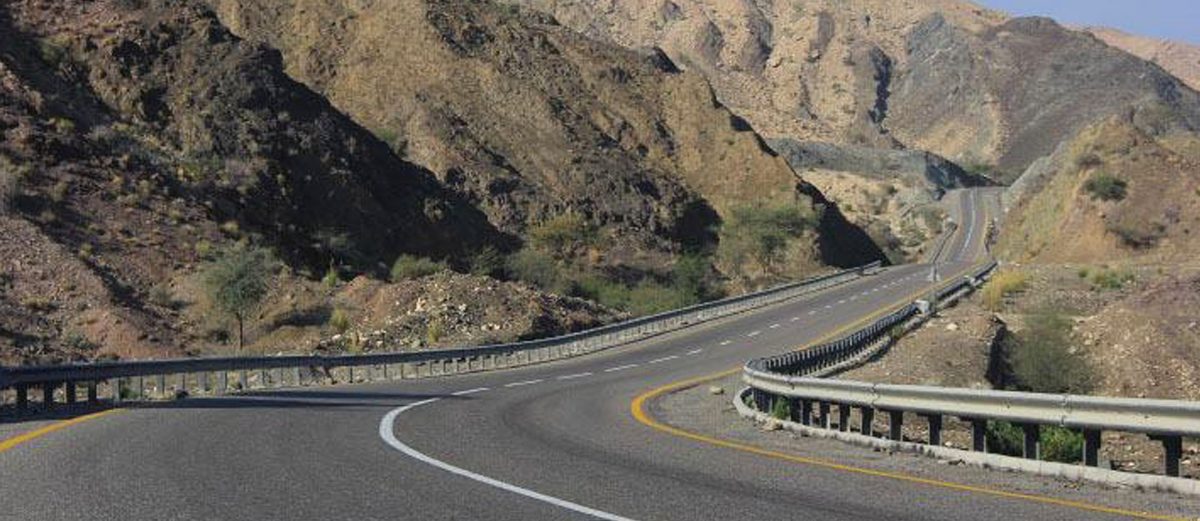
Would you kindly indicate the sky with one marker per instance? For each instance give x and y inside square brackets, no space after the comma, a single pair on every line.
[1170,19]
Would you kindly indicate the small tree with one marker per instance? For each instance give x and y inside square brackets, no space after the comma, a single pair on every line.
[237,282]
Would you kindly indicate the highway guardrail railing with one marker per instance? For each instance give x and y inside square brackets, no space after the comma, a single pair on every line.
[126,380]
[793,379]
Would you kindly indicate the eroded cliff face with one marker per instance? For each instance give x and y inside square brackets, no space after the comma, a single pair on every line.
[529,119]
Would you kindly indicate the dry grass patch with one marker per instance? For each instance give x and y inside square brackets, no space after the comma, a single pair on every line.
[1001,285]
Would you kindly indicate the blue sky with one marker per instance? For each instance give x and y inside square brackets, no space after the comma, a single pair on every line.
[1172,19]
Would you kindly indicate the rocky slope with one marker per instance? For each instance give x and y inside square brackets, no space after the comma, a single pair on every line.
[139,139]
[1061,210]
[529,119]
[1178,58]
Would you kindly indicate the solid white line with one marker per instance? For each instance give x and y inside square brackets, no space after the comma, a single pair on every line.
[470,391]
[695,351]
[526,382]
[387,432]
[620,368]
[754,333]
[663,359]
[573,376]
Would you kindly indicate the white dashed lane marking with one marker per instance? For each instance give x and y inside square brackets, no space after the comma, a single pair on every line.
[573,376]
[663,359]
[813,312]
[754,333]
[695,351]
[773,326]
[470,391]
[620,368]
[526,382]
[726,342]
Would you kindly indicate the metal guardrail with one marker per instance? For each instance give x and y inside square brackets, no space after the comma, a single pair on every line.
[197,373]
[783,377]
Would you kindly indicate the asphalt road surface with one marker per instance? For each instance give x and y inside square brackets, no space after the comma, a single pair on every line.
[553,441]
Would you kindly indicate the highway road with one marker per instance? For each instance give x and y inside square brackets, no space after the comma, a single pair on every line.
[553,441]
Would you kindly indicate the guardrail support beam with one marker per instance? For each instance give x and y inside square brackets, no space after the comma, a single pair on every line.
[48,395]
[805,412]
[92,396]
[69,393]
[794,409]
[895,425]
[1032,446]
[1172,451]
[844,417]
[823,416]
[22,398]
[866,421]
[935,428]
[1091,447]
[978,434]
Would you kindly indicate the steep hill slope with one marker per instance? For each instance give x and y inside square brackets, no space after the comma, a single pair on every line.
[1178,58]
[1126,188]
[137,140]
[530,120]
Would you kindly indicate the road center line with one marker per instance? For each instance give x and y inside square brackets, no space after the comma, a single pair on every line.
[573,376]
[663,359]
[387,431]
[470,391]
[620,368]
[526,382]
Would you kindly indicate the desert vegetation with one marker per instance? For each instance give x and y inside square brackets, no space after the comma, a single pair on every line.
[236,283]
[1002,285]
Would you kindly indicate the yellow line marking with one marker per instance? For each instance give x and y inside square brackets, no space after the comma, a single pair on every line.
[640,413]
[12,442]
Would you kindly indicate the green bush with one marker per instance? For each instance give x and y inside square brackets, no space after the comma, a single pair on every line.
[1106,187]
[331,278]
[649,297]
[692,276]
[1061,444]
[408,267]
[1112,279]
[1057,443]
[780,409]
[434,330]
[237,281]
[488,262]
[339,321]
[1043,359]
[563,236]
[762,232]
[535,268]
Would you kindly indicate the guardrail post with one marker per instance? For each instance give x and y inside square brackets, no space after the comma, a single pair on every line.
[896,425]
[160,382]
[202,381]
[296,377]
[978,434]
[1091,447]
[935,428]
[823,415]
[69,393]
[115,384]
[141,387]
[183,382]
[92,396]
[1172,451]
[844,417]
[805,412]
[1032,446]
[22,398]
[48,395]
[866,421]
[244,380]
[222,382]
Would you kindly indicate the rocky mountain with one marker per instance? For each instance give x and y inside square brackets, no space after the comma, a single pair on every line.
[142,139]
[139,139]
[529,120]
[1178,58]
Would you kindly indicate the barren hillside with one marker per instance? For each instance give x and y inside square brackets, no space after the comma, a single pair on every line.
[1178,58]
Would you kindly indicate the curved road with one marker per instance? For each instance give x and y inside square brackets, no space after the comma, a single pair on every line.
[553,441]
